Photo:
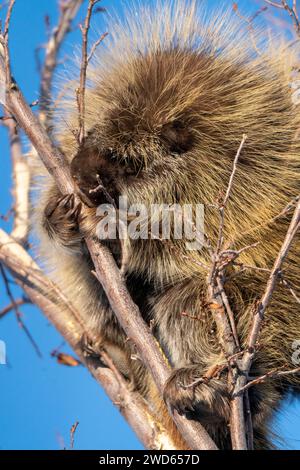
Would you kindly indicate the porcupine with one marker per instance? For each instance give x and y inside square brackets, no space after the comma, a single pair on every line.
[169,96]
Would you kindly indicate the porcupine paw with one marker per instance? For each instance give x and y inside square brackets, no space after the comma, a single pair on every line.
[61,220]
[90,349]
[93,351]
[190,390]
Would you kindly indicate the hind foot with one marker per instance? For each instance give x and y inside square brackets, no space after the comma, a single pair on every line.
[190,390]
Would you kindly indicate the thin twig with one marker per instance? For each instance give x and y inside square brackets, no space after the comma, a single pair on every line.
[249,22]
[4,42]
[72,434]
[83,71]
[222,208]
[286,283]
[274,275]
[18,313]
[248,422]
[222,312]
[258,318]
[292,11]
[21,181]
[95,45]
[269,375]
[274,4]
[262,305]
[68,11]
[229,311]
[12,305]
[286,210]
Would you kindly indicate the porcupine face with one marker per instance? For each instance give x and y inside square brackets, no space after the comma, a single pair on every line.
[152,129]
[172,121]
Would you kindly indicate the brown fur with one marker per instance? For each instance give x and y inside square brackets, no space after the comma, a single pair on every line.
[166,110]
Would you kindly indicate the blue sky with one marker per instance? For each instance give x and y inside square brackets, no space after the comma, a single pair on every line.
[41,399]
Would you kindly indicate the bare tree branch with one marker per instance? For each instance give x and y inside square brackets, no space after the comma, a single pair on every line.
[246,361]
[292,11]
[94,47]
[72,434]
[240,425]
[21,180]
[107,272]
[12,305]
[83,70]
[223,315]
[274,276]
[274,4]
[43,293]
[68,11]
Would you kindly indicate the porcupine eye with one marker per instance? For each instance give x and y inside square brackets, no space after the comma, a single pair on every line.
[177,137]
[128,165]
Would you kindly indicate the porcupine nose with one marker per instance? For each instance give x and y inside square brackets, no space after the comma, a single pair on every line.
[95,176]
